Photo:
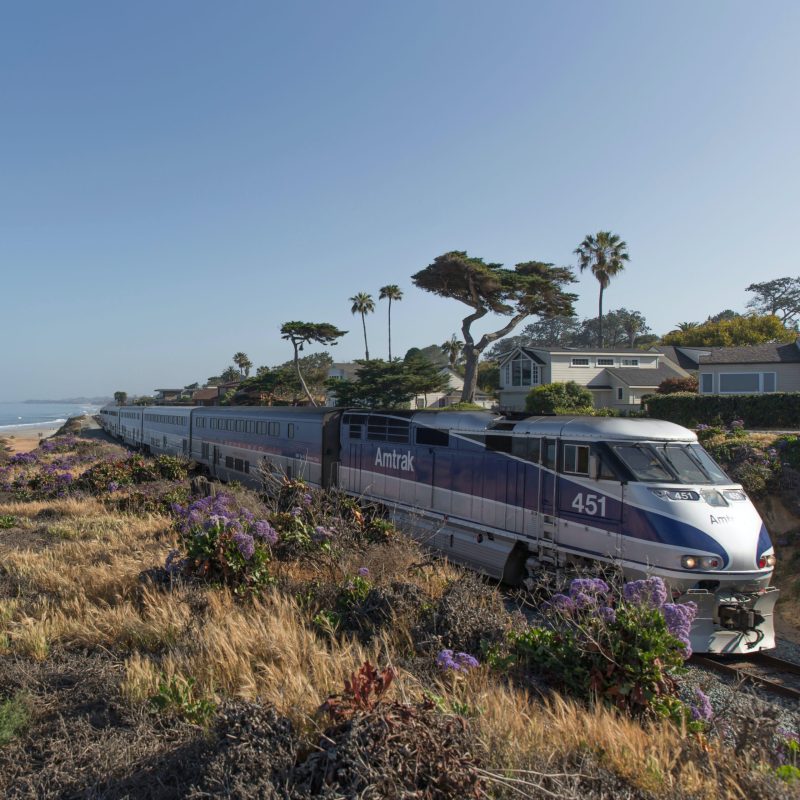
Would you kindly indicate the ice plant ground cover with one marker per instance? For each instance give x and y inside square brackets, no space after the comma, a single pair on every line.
[171,683]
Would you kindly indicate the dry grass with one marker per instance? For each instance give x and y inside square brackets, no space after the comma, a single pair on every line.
[520,733]
[84,588]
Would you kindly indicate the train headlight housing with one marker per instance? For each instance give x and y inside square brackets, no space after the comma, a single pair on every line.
[701,562]
[767,561]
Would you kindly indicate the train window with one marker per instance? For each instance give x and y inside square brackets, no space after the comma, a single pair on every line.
[576,459]
[274,429]
[204,450]
[355,431]
[247,467]
[643,462]
[238,465]
[431,436]
[549,454]
[387,429]
[527,447]
[498,442]
[290,430]
[679,457]
[240,426]
[229,462]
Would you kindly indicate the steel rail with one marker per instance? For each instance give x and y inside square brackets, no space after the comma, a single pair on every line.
[757,659]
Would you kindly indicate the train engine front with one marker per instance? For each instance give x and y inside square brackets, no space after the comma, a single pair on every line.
[685,520]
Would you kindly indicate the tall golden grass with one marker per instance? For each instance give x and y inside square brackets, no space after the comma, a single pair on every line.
[83,587]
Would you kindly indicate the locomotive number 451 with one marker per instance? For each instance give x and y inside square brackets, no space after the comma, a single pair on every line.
[594,504]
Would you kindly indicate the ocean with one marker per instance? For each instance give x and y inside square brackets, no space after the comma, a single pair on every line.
[19,415]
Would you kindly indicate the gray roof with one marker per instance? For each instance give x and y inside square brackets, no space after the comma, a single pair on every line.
[642,376]
[604,428]
[755,354]
[677,356]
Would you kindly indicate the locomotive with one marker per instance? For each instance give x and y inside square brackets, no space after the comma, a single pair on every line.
[511,497]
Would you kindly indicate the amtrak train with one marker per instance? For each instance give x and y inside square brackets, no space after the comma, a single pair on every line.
[510,498]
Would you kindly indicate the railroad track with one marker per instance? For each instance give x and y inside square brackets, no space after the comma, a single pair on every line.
[765,671]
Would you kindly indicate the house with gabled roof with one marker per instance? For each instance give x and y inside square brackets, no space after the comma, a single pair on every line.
[756,369]
[617,378]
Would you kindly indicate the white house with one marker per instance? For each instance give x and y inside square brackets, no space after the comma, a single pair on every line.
[756,369]
[617,378]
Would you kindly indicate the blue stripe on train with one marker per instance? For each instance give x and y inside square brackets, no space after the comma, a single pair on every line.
[764,542]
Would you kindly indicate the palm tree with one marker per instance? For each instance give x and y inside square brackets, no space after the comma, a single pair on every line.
[452,349]
[363,304]
[390,292]
[604,254]
[687,326]
[243,362]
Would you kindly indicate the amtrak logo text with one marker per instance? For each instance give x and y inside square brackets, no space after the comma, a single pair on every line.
[395,460]
[721,520]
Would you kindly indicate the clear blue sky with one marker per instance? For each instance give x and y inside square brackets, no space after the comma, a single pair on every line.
[179,178]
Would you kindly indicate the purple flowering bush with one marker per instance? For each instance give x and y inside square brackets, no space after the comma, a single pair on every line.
[456,662]
[620,649]
[223,543]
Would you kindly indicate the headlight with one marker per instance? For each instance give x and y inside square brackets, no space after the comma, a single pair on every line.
[767,561]
[701,562]
[675,494]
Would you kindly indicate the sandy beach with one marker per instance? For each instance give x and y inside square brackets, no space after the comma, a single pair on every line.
[27,437]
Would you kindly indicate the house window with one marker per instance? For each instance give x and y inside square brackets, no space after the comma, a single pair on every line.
[580,362]
[630,362]
[706,383]
[746,382]
[619,393]
[522,372]
[605,362]
[576,459]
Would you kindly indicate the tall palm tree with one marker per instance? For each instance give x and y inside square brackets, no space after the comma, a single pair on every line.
[363,304]
[604,254]
[452,349]
[687,326]
[243,362]
[390,292]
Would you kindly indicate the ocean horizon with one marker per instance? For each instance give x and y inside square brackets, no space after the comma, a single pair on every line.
[21,415]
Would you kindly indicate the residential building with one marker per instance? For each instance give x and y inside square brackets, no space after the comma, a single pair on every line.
[756,369]
[617,378]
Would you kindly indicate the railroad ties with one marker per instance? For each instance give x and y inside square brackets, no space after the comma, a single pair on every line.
[760,669]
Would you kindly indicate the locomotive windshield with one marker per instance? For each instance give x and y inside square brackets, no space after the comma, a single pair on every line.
[676,462]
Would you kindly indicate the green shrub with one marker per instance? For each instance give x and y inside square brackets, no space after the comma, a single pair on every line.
[177,696]
[14,717]
[559,398]
[778,410]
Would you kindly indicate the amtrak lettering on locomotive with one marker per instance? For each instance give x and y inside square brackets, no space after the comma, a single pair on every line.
[510,498]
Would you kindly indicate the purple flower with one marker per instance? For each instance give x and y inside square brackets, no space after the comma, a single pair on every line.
[608,615]
[679,618]
[561,602]
[265,532]
[363,572]
[113,486]
[590,586]
[583,601]
[460,662]
[296,511]
[322,534]
[307,499]
[651,591]
[703,710]
[246,545]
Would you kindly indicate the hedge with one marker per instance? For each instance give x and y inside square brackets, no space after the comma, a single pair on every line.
[778,410]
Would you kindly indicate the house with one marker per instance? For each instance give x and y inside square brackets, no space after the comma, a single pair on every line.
[164,396]
[617,378]
[687,358]
[208,396]
[755,369]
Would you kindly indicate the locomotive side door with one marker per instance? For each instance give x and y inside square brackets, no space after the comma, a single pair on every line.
[548,500]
